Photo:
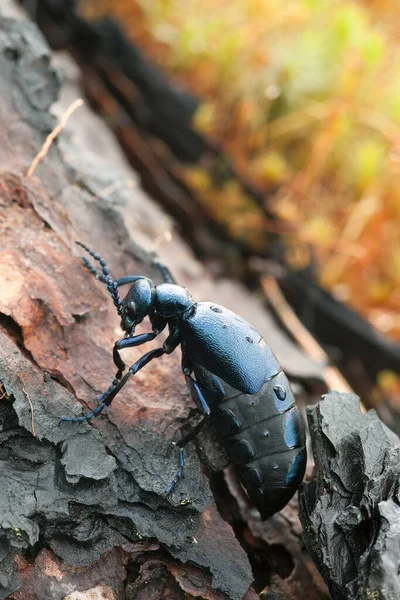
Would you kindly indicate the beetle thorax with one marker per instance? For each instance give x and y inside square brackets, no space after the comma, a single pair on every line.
[172,300]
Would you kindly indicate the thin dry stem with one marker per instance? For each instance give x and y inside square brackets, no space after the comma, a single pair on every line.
[4,394]
[166,236]
[52,136]
[30,404]
[332,377]
[117,185]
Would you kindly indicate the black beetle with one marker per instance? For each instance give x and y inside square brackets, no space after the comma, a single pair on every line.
[233,377]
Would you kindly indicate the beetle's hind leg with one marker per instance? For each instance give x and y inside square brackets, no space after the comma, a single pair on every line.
[178,475]
[202,405]
[181,444]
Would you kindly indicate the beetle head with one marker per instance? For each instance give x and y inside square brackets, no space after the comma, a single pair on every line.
[138,301]
[137,304]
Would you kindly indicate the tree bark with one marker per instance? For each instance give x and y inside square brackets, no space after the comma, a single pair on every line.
[81,505]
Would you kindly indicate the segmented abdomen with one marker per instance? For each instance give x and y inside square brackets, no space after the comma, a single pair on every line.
[264,437]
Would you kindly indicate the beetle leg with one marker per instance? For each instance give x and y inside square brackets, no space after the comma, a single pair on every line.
[108,396]
[127,279]
[197,394]
[129,342]
[159,323]
[137,340]
[178,475]
[203,407]
[99,399]
[165,272]
[84,418]
[118,362]
[181,444]
[193,433]
[169,346]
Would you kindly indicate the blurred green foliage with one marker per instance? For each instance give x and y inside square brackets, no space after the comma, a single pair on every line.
[304,96]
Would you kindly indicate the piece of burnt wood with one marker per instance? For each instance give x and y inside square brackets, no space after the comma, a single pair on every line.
[350,512]
[281,567]
[82,509]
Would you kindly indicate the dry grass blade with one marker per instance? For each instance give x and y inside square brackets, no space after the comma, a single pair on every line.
[332,377]
[166,236]
[30,404]
[52,136]
[117,185]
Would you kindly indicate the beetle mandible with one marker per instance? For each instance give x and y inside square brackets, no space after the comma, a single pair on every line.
[232,375]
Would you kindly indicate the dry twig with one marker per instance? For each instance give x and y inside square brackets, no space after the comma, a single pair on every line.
[166,236]
[52,136]
[117,185]
[332,377]
[30,404]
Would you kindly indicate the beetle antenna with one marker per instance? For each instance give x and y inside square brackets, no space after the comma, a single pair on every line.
[104,277]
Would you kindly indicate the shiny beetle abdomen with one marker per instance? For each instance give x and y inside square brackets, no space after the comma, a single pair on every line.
[263,435]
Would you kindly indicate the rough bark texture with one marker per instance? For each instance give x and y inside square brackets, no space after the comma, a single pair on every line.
[350,513]
[81,506]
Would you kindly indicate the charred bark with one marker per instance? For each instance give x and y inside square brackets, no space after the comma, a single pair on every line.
[350,513]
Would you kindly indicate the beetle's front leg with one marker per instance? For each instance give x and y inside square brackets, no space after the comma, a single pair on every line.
[137,340]
[169,346]
[108,396]
[159,324]
[131,342]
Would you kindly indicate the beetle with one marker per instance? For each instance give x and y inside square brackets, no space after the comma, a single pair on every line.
[232,374]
